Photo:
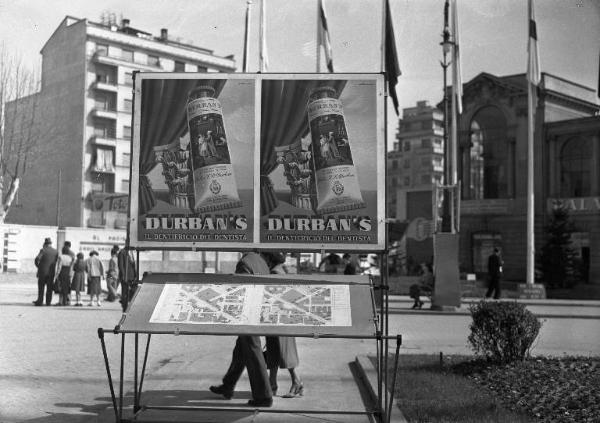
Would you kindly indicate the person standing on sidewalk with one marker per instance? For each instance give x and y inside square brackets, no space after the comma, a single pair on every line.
[95,271]
[127,276]
[45,262]
[112,275]
[494,273]
[64,265]
[248,351]
[78,282]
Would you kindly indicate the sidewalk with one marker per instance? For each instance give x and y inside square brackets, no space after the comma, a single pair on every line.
[52,369]
[568,309]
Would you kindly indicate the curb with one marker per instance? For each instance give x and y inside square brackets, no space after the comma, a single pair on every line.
[368,375]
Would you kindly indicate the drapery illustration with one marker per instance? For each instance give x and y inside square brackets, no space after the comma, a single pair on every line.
[163,121]
[283,121]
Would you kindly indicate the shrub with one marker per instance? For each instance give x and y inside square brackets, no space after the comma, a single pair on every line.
[502,331]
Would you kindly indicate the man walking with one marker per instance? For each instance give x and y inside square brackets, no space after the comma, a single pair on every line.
[46,265]
[127,276]
[248,351]
[494,273]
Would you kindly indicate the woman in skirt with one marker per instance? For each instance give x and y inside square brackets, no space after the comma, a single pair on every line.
[78,282]
[64,266]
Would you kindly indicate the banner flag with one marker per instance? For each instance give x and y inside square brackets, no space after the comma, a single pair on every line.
[323,37]
[533,64]
[264,60]
[457,72]
[392,67]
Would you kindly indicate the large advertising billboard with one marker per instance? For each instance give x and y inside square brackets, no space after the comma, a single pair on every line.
[243,161]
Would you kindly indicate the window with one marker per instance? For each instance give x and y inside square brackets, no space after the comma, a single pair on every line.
[127,106]
[406,145]
[127,55]
[104,160]
[102,182]
[576,168]
[489,156]
[407,181]
[425,143]
[125,185]
[437,142]
[128,79]
[406,163]
[126,160]
[127,132]
[153,60]
[102,49]
[394,164]
[104,102]
[179,66]
[202,69]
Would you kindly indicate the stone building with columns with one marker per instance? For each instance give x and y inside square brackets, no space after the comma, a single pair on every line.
[492,169]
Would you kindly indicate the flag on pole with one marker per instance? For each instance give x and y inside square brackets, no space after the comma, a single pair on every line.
[392,67]
[323,38]
[533,65]
[456,65]
[264,61]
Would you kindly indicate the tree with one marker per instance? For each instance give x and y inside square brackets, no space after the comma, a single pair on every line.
[21,124]
[558,263]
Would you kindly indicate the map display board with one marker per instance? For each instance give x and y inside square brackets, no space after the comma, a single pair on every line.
[304,305]
[273,161]
[299,305]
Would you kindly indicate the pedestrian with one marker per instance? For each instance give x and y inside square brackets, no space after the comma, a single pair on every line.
[373,268]
[248,352]
[351,264]
[425,285]
[64,266]
[494,273]
[330,263]
[127,276]
[281,352]
[45,262]
[95,271]
[112,275]
[78,282]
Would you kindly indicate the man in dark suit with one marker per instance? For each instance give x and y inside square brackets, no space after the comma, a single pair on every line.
[127,276]
[494,273]
[248,350]
[46,265]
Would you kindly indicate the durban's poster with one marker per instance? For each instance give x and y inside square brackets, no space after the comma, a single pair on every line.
[239,161]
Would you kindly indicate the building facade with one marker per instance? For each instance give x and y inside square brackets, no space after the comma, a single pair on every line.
[492,161]
[81,176]
[413,167]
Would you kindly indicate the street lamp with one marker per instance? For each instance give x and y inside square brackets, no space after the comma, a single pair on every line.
[446,48]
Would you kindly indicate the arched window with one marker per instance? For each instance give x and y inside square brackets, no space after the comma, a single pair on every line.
[576,168]
[489,155]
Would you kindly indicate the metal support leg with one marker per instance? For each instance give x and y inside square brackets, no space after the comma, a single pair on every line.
[121,376]
[136,403]
[110,382]
[143,371]
[393,387]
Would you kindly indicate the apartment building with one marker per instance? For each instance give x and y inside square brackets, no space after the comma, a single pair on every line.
[81,176]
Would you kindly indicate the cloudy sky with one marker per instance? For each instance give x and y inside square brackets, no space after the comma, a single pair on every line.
[493,34]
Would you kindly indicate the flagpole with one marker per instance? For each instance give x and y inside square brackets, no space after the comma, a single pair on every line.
[533,78]
[247,37]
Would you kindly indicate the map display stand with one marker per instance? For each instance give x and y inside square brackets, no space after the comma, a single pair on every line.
[316,306]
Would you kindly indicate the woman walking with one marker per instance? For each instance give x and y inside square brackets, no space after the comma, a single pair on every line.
[282,352]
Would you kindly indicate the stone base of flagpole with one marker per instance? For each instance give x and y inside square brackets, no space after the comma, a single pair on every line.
[536,291]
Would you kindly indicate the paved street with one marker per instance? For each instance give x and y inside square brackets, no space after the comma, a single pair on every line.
[51,365]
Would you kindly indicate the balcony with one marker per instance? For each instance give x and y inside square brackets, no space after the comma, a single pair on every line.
[105,140]
[105,86]
[103,58]
[104,112]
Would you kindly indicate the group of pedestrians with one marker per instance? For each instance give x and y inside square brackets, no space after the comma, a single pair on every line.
[66,272]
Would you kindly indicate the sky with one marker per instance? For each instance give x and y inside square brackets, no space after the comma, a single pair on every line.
[493,35]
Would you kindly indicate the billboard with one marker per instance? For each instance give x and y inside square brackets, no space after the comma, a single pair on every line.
[267,161]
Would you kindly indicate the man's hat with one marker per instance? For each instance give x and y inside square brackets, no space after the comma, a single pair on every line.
[47,241]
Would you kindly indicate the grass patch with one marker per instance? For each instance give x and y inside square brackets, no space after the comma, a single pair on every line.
[462,389]
[428,392]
